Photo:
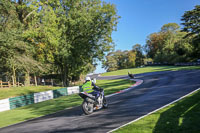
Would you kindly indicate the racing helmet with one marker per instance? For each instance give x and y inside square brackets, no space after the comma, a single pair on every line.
[87,78]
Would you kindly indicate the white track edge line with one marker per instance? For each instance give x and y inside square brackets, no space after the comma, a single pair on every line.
[154,110]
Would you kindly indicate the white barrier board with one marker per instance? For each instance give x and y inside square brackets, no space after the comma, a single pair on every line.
[4,105]
[43,96]
[72,90]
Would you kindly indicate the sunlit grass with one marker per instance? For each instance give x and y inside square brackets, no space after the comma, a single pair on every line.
[179,117]
[149,69]
[112,86]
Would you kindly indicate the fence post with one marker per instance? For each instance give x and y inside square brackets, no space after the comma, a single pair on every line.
[1,83]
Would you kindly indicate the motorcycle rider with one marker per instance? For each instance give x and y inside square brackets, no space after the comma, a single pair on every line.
[90,87]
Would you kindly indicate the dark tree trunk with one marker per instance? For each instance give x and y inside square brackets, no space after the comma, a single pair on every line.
[27,79]
[65,76]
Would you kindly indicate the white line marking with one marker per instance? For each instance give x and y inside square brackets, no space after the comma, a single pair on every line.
[154,111]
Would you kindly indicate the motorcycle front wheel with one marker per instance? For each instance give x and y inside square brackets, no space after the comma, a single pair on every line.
[87,107]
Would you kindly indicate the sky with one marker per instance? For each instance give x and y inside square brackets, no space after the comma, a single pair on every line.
[140,18]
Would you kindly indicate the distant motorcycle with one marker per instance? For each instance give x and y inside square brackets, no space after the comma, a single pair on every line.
[89,104]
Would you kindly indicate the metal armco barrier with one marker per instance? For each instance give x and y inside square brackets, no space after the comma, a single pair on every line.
[188,64]
[176,64]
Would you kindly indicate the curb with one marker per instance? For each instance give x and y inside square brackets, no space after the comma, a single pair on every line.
[138,82]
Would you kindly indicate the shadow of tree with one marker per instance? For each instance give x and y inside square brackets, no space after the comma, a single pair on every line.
[183,117]
[54,105]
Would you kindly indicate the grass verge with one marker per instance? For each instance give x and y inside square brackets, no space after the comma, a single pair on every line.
[19,91]
[112,86]
[149,69]
[47,107]
[182,116]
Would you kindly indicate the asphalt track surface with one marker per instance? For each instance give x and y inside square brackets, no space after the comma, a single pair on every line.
[157,90]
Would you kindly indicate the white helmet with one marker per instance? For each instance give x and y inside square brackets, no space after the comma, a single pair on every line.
[87,78]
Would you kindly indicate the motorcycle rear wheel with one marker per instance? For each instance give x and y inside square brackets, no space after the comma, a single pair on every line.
[105,103]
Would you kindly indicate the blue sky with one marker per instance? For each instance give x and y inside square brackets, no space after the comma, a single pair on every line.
[140,18]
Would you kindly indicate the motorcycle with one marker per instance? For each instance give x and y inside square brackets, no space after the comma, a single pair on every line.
[90,104]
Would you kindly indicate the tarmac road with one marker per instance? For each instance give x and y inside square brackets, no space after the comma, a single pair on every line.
[157,90]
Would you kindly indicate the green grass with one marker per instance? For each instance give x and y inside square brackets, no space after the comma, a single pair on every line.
[180,117]
[112,86]
[47,107]
[149,69]
[18,91]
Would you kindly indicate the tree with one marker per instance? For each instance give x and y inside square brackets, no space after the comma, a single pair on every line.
[131,59]
[172,36]
[67,36]
[94,20]
[138,50]
[116,60]
[167,45]
[17,53]
[11,42]
[120,60]
[154,43]
[111,63]
[170,27]
[191,23]
[42,31]
[184,49]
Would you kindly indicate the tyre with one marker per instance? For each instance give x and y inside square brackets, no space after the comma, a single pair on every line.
[87,107]
[105,103]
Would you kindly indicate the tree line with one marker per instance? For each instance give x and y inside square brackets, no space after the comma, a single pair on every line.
[124,59]
[58,37]
[170,45]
